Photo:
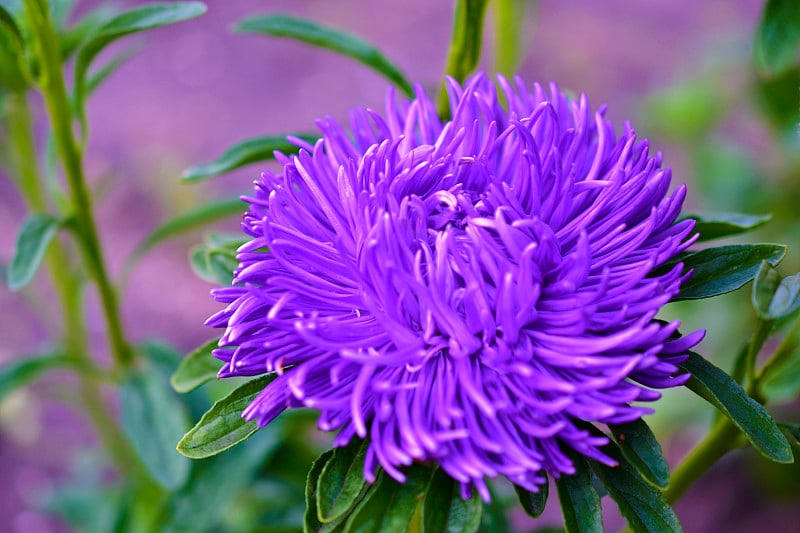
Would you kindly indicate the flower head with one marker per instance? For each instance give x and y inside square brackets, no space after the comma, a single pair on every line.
[464,291]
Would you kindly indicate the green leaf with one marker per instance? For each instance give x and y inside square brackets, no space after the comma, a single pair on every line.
[248,151]
[280,25]
[764,286]
[106,70]
[642,450]
[687,110]
[215,259]
[778,36]
[311,521]
[223,427]
[389,505]
[773,297]
[779,99]
[720,390]
[36,233]
[642,504]
[580,503]
[443,509]
[198,367]
[533,502]
[792,431]
[21,372]
[135,20]
[13,70]
[341,482]
[713,226]
[153,418]
[723,269]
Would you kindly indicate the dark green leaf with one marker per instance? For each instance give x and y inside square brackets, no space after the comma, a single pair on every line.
[533,502]
[248,151]
[642,504]
[778,36]
[642,450]
[719,389]
[341,483]
[779,99]
[18,373]
[311,523]
[280,25]
[153,418]
[389,505]
[712,226]
[725,268]
[223,427]
[36,233]
[13,72]
[580,503]
[196,368]
[444,510]
[792,431]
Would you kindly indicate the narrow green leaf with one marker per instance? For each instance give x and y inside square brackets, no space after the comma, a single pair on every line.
[725,268]
[311,523]
[389,505]
[223,427]
[153,418]
[13,70]
[720,390]
[642,450]
[341,483]
[19,373]
[251,150]
[641,504]
[196,368]
[534,502]
[106,70]
[444,510]
[280,25]
[778,36]
[580,503]
[36,233]
[713,226]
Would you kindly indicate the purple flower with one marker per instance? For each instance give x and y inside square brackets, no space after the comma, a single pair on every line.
[462,291]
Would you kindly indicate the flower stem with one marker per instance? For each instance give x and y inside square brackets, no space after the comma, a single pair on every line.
[508,22]
[759,336]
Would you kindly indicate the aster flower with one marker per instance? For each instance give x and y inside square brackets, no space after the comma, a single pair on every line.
[468,291]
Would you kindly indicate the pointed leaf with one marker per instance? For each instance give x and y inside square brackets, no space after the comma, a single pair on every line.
[244,153]
[311,523]
[778,36]
[315,34]
[196,368]
[223,427]
[725,268]
[19,373]
[153,418]
[712,226]
[719,389]
[773,297]
[341,483]
[534,502]
[444,510]
[36,233]
[580,503]
[642,450]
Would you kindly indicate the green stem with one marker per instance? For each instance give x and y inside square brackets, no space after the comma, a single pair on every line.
[55,95]
[785,350]
[465,47]
[759,336]
[509,16]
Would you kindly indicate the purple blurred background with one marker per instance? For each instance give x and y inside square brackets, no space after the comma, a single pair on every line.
[195,88]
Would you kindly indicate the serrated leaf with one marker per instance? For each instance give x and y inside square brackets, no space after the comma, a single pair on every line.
[719,389]
[533,503]
[580,503]
[725,268]
[341,483]
[244,153]
[281,25]
[642,450]
[223,427]
[198,367]
[19,373]
[712,226]
[36,233]
[311,523]
[778,36]
[153,418]
[641,504]
[389,505]
[444,510]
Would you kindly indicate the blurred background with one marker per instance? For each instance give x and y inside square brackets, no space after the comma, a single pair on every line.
[681,71]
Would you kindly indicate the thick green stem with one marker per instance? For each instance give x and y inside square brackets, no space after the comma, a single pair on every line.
[759,336]
[509,17]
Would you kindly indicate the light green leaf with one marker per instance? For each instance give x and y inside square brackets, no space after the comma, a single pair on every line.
[642,450]
[580,503]
[443,509]
[35,235]
[215,259]
[249,151]
[196,368]
[773,297]
[341,482]
[223,427]
[720,390]
[280,25]
[21,372]
[153,418]
[778,36]
[713,226]
[533,502]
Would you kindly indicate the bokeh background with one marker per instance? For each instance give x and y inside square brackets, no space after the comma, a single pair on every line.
[681,71]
